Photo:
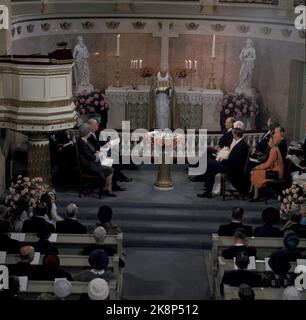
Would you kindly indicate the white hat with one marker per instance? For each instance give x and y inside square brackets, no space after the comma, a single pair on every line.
[62,288]
[99,234]
[98,289]
[239,125]
[291,293]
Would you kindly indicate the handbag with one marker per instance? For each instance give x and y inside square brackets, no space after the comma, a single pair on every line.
[272,175]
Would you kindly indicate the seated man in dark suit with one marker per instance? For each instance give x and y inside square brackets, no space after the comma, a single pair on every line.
[234,165]
[43,245]
[94,140]
[24,267]
[240,245]
[70,224]
[38,223]
[90,161]
[236,277]
[224,141]
[6,243]
[229,229]
[270,216]
[262,146]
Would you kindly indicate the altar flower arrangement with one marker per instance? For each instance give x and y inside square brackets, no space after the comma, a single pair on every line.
[293,198]
[146,72]
[165,138]
[239,107]
[34,188]
[181,73]
[92,103]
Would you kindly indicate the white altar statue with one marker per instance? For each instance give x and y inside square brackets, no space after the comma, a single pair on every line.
[247,57]
[81,68]
[163,93]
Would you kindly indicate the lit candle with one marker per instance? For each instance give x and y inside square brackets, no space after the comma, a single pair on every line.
[195,64]
[190,64]
[118,46]
[186,64]
[213,55]
[136,63]
[131,64]
[140,64]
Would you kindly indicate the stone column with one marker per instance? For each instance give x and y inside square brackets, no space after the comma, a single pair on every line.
[39,157]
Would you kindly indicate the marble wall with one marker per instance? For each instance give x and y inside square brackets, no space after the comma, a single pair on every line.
[271,74]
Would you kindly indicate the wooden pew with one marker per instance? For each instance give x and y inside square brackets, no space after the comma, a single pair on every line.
[35,288]
[71,263]
[264,246]
[74,243]
[260,293]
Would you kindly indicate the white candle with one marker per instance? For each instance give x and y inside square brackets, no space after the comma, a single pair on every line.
[118,46]
[140,64]
[195,64]
[186,64]
[190,64]
[213,55]
[131,64]
[136,63]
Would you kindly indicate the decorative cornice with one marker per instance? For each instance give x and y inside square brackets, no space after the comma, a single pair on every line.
[65,25]
[87,25]
[138,25]
[30,28]
[218,27]
[192,26]
[35,104]
[112,24]
[42,72]
[243,28]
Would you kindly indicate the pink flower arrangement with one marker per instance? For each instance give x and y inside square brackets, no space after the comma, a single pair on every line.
[146,72]
[237,106]
[181,73]
[91,103]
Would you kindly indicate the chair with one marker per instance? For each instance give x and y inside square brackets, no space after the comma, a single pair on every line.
[85,177]
[225,178]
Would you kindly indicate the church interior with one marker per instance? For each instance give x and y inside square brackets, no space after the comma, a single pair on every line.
[90,89]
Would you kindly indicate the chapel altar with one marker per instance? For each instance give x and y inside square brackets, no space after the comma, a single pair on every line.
[198,108]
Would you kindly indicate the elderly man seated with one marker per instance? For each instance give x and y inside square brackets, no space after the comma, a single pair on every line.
[90,161]
[232,162]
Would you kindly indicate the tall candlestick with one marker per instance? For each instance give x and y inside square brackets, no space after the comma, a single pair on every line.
[118,46]
[213,55]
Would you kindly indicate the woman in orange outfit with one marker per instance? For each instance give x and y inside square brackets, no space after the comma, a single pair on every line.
[274,162]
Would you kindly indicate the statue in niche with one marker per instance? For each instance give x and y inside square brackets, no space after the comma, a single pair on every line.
[81,68]
[247,57]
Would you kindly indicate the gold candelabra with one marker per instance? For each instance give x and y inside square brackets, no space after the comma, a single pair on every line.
[212,84]
[117,74]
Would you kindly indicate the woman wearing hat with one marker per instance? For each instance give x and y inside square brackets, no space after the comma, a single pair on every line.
[90,160]
[274,163]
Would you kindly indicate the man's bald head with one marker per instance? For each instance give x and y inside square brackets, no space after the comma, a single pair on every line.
[229,122]
[93,123]
[27,254]
[72,210]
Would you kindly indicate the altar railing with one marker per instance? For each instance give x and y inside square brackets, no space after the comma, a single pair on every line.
[213,137]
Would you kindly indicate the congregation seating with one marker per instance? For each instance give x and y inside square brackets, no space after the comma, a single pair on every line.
[74,243]
[231,293]
[34,288]
[216,265]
